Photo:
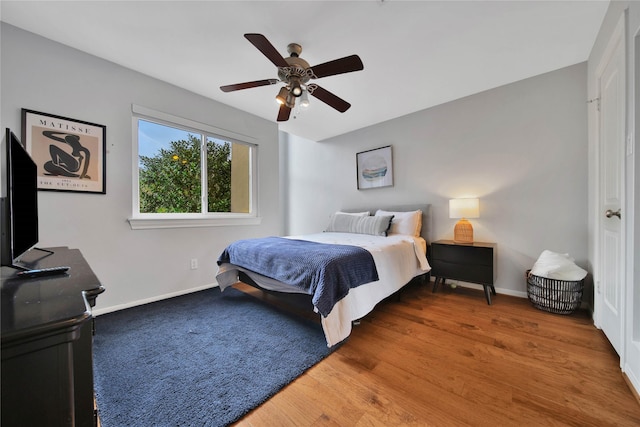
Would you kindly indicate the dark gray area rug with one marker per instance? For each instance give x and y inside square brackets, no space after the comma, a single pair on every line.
[203,359]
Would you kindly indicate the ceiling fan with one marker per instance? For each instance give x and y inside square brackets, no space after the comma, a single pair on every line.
[295,72]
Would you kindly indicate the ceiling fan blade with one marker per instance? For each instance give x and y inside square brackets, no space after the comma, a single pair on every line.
[284,113]
[338,66]
[248,85]
[328,98]
[267,49]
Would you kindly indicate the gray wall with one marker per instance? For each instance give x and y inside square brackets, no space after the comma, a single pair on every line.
[141,265]
[520,148]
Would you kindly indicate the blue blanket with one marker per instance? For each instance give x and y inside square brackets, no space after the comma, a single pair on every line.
[325,271]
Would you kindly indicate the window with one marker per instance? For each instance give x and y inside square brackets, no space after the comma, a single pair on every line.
[187,174]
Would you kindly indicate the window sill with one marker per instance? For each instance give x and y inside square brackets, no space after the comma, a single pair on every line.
[142,223]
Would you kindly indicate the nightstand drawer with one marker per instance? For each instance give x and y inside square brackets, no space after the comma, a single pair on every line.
[469,255]
[466,272]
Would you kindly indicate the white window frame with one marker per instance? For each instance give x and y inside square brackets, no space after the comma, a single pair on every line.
[140,221]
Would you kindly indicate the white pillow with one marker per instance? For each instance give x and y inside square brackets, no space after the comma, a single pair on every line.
[408,223]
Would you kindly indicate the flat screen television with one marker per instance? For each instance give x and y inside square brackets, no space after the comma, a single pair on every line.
[20,205]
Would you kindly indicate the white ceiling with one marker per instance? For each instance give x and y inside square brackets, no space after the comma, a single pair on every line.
[416,54]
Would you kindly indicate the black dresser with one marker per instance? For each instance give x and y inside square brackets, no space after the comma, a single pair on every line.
[47,340]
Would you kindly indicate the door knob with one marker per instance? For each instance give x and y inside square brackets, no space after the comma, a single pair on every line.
[609,213]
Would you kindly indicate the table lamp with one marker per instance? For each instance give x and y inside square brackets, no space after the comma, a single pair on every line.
[463,209]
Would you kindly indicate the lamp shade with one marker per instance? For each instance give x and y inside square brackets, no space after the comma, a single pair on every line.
[296,89]
[281,98]
[304,100]
[464,208]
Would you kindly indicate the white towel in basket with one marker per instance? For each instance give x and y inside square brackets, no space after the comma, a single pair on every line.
[557,266]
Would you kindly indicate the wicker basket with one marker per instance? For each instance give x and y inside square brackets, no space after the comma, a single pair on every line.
[555,296]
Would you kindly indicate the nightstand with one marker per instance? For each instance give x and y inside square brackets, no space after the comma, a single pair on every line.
[469,262]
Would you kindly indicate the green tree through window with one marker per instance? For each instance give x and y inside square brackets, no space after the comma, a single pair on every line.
[219,176]
[170,181]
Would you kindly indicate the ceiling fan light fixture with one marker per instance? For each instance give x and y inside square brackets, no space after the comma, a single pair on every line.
[291,101]
[281,98]
[296,89]
[304,99]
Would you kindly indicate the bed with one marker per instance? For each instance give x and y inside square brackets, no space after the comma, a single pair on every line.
[362,257]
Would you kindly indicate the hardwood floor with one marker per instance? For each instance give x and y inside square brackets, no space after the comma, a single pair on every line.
[449,359]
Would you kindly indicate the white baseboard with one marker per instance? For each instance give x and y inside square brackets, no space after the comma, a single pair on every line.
[100,311]
[631,368]
[633,382]
[584,305]
[504,291]
[111,309]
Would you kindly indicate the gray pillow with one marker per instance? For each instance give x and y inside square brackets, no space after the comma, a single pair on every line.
[374,225]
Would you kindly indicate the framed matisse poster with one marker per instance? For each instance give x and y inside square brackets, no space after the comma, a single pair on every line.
[70,154]
[375,168]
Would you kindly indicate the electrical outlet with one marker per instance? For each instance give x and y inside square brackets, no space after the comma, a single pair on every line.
[194,263]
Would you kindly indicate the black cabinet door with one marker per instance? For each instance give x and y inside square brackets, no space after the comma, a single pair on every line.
[47,367]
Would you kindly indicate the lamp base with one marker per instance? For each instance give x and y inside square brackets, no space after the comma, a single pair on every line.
[463,232]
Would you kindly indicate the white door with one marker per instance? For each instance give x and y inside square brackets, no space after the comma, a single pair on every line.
[610,286]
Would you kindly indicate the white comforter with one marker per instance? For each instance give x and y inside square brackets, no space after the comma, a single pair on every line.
[398,259]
